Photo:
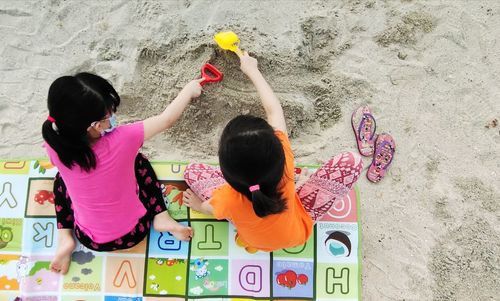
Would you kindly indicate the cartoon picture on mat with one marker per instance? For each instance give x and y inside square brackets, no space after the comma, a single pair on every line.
[6,236]
[338,243]
[290,279]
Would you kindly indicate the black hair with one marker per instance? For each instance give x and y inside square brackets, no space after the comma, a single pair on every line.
[251,154]
[75,102]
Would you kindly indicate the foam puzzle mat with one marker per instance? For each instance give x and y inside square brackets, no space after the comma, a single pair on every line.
[210,267]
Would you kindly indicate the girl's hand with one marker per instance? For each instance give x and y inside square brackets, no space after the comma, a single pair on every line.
[193,88]
[191,200]
[248,64]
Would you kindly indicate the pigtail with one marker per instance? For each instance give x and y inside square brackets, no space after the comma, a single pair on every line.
[68,149]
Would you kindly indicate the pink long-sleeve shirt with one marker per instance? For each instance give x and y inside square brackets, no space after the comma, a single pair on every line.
[105,201]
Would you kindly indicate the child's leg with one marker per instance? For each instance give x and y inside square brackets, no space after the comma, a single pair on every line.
[151,196]
[65,222]
[135,236]
[330,183]
[203,179]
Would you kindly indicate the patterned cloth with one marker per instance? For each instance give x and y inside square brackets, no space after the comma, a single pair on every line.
[203,179]
[331,182]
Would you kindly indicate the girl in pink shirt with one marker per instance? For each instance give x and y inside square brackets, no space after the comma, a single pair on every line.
[106,192]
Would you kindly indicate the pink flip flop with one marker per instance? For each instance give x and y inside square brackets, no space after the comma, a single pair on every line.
[384,152]
[364,126]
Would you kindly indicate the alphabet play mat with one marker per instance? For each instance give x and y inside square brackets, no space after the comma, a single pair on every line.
[210,267]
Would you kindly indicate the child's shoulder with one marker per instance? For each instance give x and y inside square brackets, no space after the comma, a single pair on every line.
[285,142]
[134,130]
[280,133]
[225,191]
[130,126]
[282,136]
[225,201]
[227,196]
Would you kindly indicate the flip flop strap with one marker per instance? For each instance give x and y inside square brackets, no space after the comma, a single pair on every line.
[381,149]
[362,123]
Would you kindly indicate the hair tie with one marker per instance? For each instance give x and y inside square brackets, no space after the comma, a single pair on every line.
[53,121]
[254,188]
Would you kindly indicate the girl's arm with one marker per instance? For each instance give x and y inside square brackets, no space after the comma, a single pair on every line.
[271,104]
[156,124]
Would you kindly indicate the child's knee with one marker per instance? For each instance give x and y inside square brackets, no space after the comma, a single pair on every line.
[351,158]
[355,160]
[350,162]
[140,160]
[189,169]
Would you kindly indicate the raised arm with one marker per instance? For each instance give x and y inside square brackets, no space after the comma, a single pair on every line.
[271,104]
[156,124]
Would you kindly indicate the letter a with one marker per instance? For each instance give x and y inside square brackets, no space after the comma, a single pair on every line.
[125,272]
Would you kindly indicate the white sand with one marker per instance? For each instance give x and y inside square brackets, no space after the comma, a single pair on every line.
[430,70]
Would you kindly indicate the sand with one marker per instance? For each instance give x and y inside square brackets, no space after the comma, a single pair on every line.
[430,70]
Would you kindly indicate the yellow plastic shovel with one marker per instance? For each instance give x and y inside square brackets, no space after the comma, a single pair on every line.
[228,40]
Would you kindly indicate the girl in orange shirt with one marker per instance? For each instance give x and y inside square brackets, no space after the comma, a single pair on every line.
[254,187]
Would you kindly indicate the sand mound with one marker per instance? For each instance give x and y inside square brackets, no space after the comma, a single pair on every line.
[310,92]
[408,30]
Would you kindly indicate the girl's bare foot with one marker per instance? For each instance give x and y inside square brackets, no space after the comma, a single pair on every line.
[163,222]
[65,246]
[181,232]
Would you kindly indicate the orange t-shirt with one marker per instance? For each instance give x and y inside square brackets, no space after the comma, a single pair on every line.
[289,228]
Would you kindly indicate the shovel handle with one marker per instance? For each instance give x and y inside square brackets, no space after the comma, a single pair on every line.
[207,78]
